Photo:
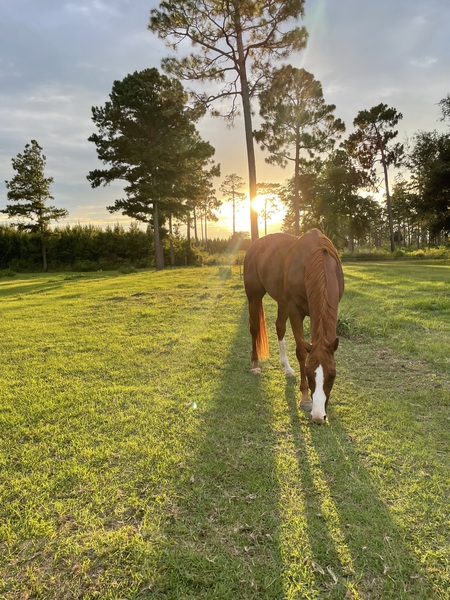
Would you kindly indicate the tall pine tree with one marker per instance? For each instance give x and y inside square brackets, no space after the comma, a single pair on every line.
[28,192]
[298,124]
[235,45]
[147,137]
[372,143]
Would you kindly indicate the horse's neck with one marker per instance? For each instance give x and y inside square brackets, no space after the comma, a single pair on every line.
[324,311]
[323,325]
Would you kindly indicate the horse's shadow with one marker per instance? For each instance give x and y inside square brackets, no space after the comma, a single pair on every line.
[357,550]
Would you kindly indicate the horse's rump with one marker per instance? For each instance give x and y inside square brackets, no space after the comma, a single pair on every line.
[264,265]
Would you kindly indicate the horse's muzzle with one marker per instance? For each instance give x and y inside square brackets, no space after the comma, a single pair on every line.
[319,419]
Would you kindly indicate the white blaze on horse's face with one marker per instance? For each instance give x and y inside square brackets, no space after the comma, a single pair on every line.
[319,398]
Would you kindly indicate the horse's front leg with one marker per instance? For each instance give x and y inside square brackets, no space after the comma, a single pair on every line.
[306,401]
[302,352]
[281,333]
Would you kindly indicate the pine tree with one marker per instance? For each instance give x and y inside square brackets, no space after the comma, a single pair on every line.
[372,143]
[298,124]
[147,137]
[235,44]
[28,191]
[230,188]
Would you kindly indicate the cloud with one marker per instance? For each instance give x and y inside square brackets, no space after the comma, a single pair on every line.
[58,116]
[424,63]
[92,9]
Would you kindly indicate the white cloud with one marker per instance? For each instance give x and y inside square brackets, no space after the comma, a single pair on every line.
[424,63]
[91,9]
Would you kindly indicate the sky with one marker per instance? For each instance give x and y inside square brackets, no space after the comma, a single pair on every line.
[58,58]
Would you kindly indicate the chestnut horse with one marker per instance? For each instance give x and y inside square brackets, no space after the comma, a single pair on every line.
[304,276]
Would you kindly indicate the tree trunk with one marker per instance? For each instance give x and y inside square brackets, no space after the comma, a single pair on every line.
[172,251]
[245,94]
[388,196]
[195,225]
[188,235]
[265,216]
[297,188]
[389,207]
[159,255]
[188,230]
[351,241]
[234,215]
[44,255]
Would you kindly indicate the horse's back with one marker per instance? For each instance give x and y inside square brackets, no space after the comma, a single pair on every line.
[276,264]
[264,264]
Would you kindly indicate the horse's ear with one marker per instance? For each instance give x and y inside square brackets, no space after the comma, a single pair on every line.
[335,344]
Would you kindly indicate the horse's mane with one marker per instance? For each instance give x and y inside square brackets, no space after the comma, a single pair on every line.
[316,285]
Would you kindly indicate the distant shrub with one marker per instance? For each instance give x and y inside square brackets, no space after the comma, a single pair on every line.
[367,254]
[7,273]
[441,252]
[399,253]
[85,266]
[239,258]
[418,254]
[127,269]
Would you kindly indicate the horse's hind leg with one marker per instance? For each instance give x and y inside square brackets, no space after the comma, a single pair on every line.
[281,332]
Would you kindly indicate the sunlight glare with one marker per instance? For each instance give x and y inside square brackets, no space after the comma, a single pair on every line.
[258,203]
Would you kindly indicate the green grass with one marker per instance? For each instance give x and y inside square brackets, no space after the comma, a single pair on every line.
[139,458]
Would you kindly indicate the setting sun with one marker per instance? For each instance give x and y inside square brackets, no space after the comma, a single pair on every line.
[258,203]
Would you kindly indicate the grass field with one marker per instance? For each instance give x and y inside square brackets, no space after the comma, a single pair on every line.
[139,458]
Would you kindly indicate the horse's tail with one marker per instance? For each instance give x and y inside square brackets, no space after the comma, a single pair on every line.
[262,341]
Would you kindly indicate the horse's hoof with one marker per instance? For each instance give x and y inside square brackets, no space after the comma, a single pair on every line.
[290,373]
[256,371]
[306,406]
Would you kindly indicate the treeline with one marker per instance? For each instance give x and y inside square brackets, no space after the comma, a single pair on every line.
[91,248]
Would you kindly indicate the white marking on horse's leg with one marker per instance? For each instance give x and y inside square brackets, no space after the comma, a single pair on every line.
[319,398]
[288,370]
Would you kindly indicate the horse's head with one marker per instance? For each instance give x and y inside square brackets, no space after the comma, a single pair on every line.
[321,373]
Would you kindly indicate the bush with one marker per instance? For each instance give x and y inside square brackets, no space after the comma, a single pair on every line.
[399,253]
[366,254]
[441,252]
[7,273]
[418,254]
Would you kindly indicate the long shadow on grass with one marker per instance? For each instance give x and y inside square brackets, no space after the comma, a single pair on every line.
[222,534]
[357,551]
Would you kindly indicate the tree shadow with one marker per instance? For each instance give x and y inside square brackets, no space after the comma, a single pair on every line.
[357,550]
[222,536]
